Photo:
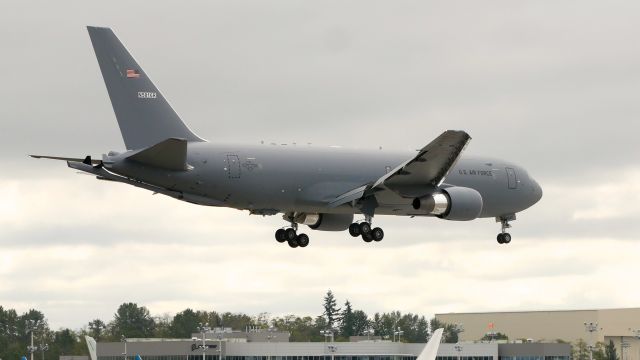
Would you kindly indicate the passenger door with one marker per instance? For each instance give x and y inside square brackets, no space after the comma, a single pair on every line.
[233,166]
[512,180]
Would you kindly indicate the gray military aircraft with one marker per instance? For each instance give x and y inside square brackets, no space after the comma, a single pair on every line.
[322,188]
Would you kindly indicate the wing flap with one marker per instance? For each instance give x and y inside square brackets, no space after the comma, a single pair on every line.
[170,154]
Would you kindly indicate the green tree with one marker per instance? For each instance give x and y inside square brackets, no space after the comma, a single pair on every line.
[184,324]
[331,312]
[450,333]
[361,322]
[494,336]
[610,351]
[132,321]
[580,350]
[347,325]
[598,351]
[238,321]
[97,329]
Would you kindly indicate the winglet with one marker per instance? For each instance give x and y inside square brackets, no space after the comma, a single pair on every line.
[430,350]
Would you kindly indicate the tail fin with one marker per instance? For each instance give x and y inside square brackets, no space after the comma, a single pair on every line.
[144,115]
[430,350]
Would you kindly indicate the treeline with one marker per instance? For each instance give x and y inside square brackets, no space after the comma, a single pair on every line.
[133,321]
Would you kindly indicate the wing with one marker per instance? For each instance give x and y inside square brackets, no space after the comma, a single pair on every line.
[418,176]
[429,167]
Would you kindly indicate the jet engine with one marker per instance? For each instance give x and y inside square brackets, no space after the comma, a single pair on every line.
[454,203]
[325,222]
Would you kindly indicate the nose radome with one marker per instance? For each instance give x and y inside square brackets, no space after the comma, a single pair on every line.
[537,191]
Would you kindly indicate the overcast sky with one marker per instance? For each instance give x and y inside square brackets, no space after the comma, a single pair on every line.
[551,85]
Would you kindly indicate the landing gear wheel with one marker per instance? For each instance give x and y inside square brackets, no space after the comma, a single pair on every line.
[367,237]
[293,243]
[500,239]
[365,228]
[280,235]
[506,238]
[302,240]
[290,235]
[377,234]
[354,230]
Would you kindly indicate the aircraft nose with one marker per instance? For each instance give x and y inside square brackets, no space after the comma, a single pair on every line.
[537,191]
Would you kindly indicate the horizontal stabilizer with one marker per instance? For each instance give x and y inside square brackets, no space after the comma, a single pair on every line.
[93,162]
[170,154]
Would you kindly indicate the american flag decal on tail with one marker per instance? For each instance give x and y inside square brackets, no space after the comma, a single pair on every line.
[132,74]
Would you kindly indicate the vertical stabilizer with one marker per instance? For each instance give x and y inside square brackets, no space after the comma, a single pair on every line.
[91,345]
[144,115]
[430,350]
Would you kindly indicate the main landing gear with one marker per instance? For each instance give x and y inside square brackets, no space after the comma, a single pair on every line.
[504,237]
[364,229]
[291,236]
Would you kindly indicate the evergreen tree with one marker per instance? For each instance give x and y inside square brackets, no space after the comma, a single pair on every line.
[132,321]
[361,322]
[347,325]
[331,312]
[610,351]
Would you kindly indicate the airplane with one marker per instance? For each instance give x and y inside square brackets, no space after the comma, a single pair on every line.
[323,188]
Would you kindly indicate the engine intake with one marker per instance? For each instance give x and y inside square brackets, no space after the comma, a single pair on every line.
[454,203]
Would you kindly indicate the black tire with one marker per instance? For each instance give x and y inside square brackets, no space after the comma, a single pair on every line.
[377,234]
[367,237]
[365,228]
[290,234]
[280,235]
[302,240]
[293,243]
[500,239]
[506,238]
[354,230]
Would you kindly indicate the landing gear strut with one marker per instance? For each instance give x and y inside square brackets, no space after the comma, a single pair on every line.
[291,237]
[504,237]
[364,229]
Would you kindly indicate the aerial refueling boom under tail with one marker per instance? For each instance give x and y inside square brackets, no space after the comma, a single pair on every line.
[323,188]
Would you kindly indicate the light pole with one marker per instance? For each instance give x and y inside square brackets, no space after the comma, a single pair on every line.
[31,326]
[399,333]
[123,339]
[43,348]
[458,349]
[458,328]
[332,348]
[591,327]
[203,330]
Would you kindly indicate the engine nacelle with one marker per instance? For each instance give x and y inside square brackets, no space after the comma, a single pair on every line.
[332,222]
[454,203]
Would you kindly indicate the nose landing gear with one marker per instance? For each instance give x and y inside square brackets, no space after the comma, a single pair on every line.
[504,237]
